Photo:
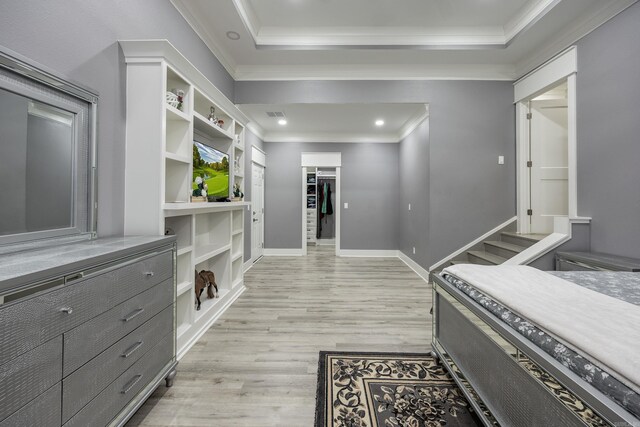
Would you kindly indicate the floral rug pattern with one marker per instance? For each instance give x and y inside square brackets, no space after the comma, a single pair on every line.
[388,390]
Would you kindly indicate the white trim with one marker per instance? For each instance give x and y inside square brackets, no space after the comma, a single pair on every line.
[256,129]
[472,244]
[368,253]
[387,72]
[547,75]
[321,160]
[413,122]
[562,67]
[247,265]
[144,51]
[234,294]
[417,268]
[538,249]
[258,157]
[282,252]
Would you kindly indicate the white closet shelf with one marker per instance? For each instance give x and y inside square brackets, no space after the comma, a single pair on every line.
[184,287]
[185,250]
[204,253]
[208,128]
[175,114]
[186,208]
[177,158]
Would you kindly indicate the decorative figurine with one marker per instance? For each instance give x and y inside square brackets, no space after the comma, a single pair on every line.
[212,115]
[180,94]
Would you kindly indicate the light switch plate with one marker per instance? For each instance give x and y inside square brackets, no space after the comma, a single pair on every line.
[409,206]
[501,160]
[346,205]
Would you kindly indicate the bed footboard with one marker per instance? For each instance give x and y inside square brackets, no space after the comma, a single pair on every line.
[502,382]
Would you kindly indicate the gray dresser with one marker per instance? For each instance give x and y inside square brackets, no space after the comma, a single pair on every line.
[87,330]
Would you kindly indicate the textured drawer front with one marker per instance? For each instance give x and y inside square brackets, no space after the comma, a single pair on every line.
[43,411]
[117,395]
[26,324]
[85,383]
[29,375]
[88,340]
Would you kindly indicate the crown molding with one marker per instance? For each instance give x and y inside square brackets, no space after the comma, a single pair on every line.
[255,129]
[527,18]
[503,72]
[196,24]
[572,34]
[413,122]
[331,137]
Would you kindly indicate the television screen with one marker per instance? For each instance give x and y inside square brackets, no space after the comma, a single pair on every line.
[212,166]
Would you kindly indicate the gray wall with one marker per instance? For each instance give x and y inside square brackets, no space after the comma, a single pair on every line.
[369,183]
[470,124]
[79,39]
[250,140]
[414,190]
[608,117]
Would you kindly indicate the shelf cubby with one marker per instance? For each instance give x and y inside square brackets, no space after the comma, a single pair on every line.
[175,83]
[178,138]
[177,181]
[212,234]
[181,227]
[202,108]
[184,312]
[236,271]
[185,275]
[238,220]
[236,246]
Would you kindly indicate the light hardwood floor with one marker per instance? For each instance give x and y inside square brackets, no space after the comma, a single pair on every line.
[257,364]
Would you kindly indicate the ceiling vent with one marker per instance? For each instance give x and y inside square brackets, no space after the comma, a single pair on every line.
[278,114]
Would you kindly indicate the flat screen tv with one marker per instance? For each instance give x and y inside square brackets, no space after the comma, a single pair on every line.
[212,166]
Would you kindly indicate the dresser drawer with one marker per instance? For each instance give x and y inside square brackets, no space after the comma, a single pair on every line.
[85,383]
[106,405]
[88,340]
[27,376]
[26,324]
[43,411]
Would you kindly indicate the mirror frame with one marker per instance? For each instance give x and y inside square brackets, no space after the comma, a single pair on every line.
[17,64]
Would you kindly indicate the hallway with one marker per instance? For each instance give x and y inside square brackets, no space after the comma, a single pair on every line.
[257,364]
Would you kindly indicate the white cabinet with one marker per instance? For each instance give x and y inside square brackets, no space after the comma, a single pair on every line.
[159,171]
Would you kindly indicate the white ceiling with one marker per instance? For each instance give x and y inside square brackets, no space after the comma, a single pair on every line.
[336,122]
[391,39]
[382,40]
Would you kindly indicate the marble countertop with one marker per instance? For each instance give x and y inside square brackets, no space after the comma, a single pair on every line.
[30,263]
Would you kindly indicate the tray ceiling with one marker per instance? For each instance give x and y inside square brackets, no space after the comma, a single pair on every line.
[383,39]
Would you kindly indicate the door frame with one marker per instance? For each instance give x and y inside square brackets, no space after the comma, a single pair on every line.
[562,67]
[258,158]
[320,160]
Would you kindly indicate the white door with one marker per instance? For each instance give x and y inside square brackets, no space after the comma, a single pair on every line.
[257,211]
[549,164]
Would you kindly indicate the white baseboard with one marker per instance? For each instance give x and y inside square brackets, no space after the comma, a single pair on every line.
[424,274]
[366,253]
[282,252]
[247,265]
[472,244]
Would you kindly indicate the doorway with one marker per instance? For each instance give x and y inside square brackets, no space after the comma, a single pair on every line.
[257,211]
[325,215]
[547,161]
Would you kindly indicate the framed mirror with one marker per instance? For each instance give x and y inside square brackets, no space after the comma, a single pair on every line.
[47,154]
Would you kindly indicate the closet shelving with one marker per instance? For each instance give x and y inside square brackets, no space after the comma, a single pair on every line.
[158,177]
[312,204]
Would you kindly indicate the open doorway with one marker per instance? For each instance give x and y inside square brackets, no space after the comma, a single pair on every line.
[325,229]
[547,161]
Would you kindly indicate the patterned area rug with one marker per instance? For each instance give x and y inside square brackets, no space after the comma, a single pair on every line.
[388,390]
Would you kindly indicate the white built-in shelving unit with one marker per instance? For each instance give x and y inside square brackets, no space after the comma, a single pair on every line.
[311,196]
[158,177]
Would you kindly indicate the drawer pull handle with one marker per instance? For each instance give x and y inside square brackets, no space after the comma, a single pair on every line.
[128,352]
[74,277]
[149,273]
[66,310]
[127,388]
[134,314]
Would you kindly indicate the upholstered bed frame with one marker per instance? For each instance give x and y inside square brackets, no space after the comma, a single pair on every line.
[508,379]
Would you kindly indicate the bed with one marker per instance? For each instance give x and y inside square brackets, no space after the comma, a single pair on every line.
[533,348]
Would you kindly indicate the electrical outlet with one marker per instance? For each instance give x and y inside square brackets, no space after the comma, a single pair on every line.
[414,250]
[346,205]
[501,160]
[409,206]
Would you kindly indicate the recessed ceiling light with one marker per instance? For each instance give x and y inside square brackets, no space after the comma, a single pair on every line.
[379,122]
[232,35]
[282,122]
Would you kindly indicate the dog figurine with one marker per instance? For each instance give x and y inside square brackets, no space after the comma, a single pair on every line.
[205,279]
